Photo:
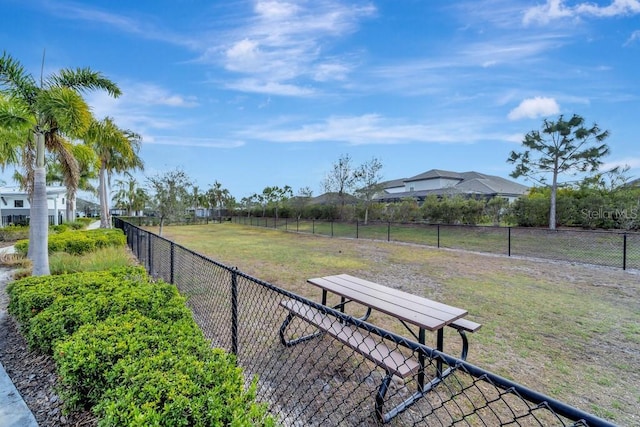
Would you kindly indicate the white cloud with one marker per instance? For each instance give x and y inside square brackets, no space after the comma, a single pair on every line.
[616,8]
[269,87]
[553,9]
[556,9]
[632,162]
[534,107]
[373,129]
[634,37]
[140,26]
[286,41]
[194,142]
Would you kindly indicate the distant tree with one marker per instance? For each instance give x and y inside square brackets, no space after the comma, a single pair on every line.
[276,196]
[562,147]
[170,195]
[299,202]
[495,208]
[368,177]
[341,180]
[130,197]
[247,204]
[217,197]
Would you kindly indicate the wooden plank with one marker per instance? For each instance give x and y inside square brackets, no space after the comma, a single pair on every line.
[419,311]
[465,324]
[402,296]
[391,360]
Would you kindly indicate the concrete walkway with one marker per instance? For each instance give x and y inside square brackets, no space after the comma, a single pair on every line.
[14,412]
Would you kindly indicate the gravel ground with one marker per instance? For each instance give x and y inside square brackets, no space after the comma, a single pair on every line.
[32,372]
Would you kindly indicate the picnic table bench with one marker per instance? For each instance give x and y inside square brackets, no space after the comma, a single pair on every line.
[426,314]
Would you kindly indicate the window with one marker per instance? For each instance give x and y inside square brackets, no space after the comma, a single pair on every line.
[18,203]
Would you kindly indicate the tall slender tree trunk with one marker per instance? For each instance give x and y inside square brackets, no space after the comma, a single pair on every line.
[39,222]
[552,207]
[104,200]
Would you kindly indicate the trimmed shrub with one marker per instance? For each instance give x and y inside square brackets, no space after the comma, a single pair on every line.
[169,390]
[96,298]
[129,348]
[79,242]
[85,359]
[33,295]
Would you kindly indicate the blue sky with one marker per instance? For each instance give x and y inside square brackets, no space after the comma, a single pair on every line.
[262,93]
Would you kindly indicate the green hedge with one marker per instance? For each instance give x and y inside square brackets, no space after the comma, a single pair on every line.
[128,348]
[79,242]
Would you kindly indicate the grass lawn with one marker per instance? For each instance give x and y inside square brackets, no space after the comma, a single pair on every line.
[567,330]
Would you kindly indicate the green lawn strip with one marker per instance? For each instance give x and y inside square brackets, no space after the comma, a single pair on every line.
[549,333]
[571,245]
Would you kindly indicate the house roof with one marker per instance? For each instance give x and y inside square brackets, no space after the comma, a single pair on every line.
[469,183]
[435,173]
[329,198]
[393,183]
[16,191]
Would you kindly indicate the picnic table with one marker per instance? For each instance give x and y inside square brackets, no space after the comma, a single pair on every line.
[412,311]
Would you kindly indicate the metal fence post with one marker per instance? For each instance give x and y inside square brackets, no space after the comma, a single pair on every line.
[234,311]
[438,235]
[509,242]
[331,228]
[388,231]
[149,252]
[357,229]
[172,263]
[313,226]
[624,251]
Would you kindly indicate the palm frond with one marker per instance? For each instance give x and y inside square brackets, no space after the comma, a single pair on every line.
[82,79]
[63,154]
[15,80]
[15,113]
[65,110]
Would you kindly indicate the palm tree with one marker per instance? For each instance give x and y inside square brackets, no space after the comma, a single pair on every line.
[117,151]
[45,114]
[130,196]
[75,172]
[217,197]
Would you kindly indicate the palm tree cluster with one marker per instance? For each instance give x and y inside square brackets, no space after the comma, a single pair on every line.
[48,130]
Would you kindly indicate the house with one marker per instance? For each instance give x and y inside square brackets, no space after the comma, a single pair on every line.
[447,183]
[15,206]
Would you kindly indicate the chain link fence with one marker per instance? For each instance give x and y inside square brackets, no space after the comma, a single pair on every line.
[618,248]
[324,381]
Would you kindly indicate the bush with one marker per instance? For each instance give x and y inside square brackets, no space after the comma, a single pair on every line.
[12,233]
[31,295]
[129,348]
[86,358]
[85,221]
[79,242]
[68,301]
[166,390]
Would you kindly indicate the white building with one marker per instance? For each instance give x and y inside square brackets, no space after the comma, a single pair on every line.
[15,206]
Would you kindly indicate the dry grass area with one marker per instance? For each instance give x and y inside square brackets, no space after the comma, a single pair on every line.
[567,330]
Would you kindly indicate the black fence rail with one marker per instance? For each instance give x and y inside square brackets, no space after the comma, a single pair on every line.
[608,248]
[322,382]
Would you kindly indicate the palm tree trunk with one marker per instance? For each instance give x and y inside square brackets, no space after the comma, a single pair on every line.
[104,200]
[39,222]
